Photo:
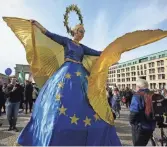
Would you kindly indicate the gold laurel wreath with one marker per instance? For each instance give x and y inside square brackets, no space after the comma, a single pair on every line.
[66,16]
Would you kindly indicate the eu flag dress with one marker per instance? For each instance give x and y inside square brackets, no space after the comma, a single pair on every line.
[62,115]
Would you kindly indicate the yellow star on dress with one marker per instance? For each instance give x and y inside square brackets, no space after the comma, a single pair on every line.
[78,73]
[96,117]
[74,119]
[58,97]
[60,84]
[87,121]
[62,110]
[68,76]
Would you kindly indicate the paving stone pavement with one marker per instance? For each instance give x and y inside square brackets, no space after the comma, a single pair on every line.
[122,126]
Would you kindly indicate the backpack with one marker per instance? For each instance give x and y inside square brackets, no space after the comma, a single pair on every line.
[155,107]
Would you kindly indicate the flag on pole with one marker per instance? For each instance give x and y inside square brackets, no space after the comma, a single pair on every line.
[21,77]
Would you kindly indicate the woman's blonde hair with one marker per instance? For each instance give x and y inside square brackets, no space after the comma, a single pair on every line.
[76,28]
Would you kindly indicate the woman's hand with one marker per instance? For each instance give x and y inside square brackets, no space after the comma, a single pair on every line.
[38,25]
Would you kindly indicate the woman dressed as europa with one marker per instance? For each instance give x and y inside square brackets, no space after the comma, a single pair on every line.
[63,114]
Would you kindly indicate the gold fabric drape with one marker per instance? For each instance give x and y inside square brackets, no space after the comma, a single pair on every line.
[43,55]
[46,56]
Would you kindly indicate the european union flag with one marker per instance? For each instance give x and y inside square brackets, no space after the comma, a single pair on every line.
[62,114]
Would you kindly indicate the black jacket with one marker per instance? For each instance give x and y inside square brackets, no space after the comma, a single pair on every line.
[14,96]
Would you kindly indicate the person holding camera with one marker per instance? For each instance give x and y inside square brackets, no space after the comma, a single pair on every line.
[13,103]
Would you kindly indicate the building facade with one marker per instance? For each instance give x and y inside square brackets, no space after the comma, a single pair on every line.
[22,68]
[153,68]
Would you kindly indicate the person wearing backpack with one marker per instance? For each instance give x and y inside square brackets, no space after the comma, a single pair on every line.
[142,128]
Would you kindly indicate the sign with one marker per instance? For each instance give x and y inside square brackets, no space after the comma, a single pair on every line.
[8,71]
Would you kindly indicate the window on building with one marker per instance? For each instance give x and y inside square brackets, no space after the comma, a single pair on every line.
[153,64]
[149,65]
[123,80]
[162,62]
[145,72]
[153,77]
[137,67]
[163,76]
[128,85]
[160,69]
[127,69]
[133,78]
[133,68]
[150,71]
[123,70]
[153,70]
[128,79]
[133,86]
[141,67]
[145,66]
[118,80]
[133,73]
[118,71]
[127,74]
[138,73]
[151,86]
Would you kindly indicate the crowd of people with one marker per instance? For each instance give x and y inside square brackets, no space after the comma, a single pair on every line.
[15,96]
[138,104]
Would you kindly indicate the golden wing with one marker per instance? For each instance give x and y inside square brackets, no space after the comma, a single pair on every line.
[111,55]
[43,55]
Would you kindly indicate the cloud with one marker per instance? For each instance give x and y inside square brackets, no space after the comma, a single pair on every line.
[143,17]
[97,34]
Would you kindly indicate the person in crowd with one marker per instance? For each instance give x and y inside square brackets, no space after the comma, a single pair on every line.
[142,129]
[4,88]
[122,95]
[35,92]
[22,97]
[115,101]
[13,103]
[128,96]
[2,99]
[164,92]
[109,95]
[28,90]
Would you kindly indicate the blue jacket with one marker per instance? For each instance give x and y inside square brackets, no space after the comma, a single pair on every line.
[137,115]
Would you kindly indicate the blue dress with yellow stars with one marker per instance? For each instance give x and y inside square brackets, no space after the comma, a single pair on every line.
[62,115]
